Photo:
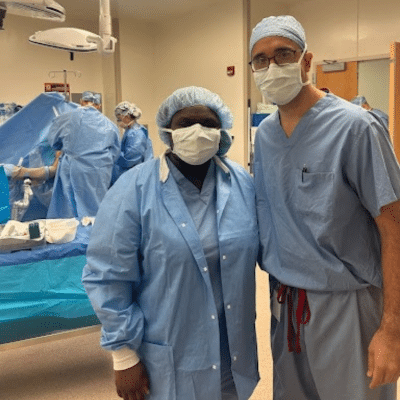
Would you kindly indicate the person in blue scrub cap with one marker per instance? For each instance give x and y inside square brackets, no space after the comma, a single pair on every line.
[171,263]
[91,99]
[136,146]
[90,145]
[378,114]
[328,189]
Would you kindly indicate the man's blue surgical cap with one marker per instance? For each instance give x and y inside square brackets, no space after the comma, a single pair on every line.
[93,97]
[359,100]
[195,96]
[283,26]
[125,108]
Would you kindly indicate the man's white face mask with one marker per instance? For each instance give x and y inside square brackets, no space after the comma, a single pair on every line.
[280,84]
[195,144]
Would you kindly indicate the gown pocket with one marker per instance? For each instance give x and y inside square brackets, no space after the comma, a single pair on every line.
[159,363]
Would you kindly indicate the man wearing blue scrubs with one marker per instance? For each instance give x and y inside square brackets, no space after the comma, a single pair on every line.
[171,259]
[90,145]
[328,190]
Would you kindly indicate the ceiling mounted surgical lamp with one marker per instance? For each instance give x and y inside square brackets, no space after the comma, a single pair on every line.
[43,9]
[79,40]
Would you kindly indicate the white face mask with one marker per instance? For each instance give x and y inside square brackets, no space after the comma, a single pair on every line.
[195,144]
[122,125]
[280,84]
[125,125]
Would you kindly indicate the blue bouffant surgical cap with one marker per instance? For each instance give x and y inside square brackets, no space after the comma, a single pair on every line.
[359,100]
[93,97]
[283,26]
[195,96]
[125,108]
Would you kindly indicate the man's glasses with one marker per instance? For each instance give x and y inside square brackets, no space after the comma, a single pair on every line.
[282,56]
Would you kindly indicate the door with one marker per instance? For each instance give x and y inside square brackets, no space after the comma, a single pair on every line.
[342,83]
[394,97]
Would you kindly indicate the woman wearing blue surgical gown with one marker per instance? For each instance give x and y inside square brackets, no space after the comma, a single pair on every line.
[90,145]
[136,145]
[171,260]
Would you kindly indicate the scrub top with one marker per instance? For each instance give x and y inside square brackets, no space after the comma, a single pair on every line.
[318,192]
[90,145]
[202,207]
[136,147]
[154,288]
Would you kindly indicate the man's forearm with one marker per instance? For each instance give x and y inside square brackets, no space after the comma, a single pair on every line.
[389,228]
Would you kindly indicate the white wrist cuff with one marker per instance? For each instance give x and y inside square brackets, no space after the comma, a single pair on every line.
[46,172]
[124,358]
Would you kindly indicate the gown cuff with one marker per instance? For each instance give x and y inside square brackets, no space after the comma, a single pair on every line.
[124,358]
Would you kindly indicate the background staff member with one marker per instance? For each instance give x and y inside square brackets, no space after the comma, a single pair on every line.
[136,146]
[90,145]
[382,117]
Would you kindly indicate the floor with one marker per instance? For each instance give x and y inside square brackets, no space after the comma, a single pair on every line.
[78,369]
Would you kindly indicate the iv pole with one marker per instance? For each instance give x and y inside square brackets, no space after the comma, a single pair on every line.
[52,74]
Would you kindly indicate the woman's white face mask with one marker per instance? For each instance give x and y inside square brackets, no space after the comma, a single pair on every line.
[195,144]
[125,122]
[122,125]
[280,84]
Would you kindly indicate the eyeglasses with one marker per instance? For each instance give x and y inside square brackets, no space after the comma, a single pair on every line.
[282,56]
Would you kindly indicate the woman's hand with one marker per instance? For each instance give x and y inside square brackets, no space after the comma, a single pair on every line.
[132,383]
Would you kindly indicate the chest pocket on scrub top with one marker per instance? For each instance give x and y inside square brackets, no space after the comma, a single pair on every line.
[313,195]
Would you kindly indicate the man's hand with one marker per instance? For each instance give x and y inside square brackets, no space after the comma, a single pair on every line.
[384,357]
[132,383]
[384,349]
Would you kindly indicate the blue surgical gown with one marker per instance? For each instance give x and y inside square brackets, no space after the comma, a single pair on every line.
[90,145]
[136,147]
[318,192]
[149,280]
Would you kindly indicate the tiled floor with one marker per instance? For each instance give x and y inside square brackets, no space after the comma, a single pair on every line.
[77,369]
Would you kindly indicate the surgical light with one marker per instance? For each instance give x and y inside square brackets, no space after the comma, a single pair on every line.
[79,40]
[70,39]
[43,9]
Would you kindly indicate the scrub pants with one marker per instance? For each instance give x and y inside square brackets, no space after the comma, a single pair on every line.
[333,361]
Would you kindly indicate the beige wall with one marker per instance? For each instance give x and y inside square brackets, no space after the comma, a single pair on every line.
[191,49]
[25,67]
[151,61]
[196,50]
[333,35]
[138,67]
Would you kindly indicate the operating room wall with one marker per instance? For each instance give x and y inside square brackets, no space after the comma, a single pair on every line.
[138,60]
[353,29]
[196,49]
[25,67]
